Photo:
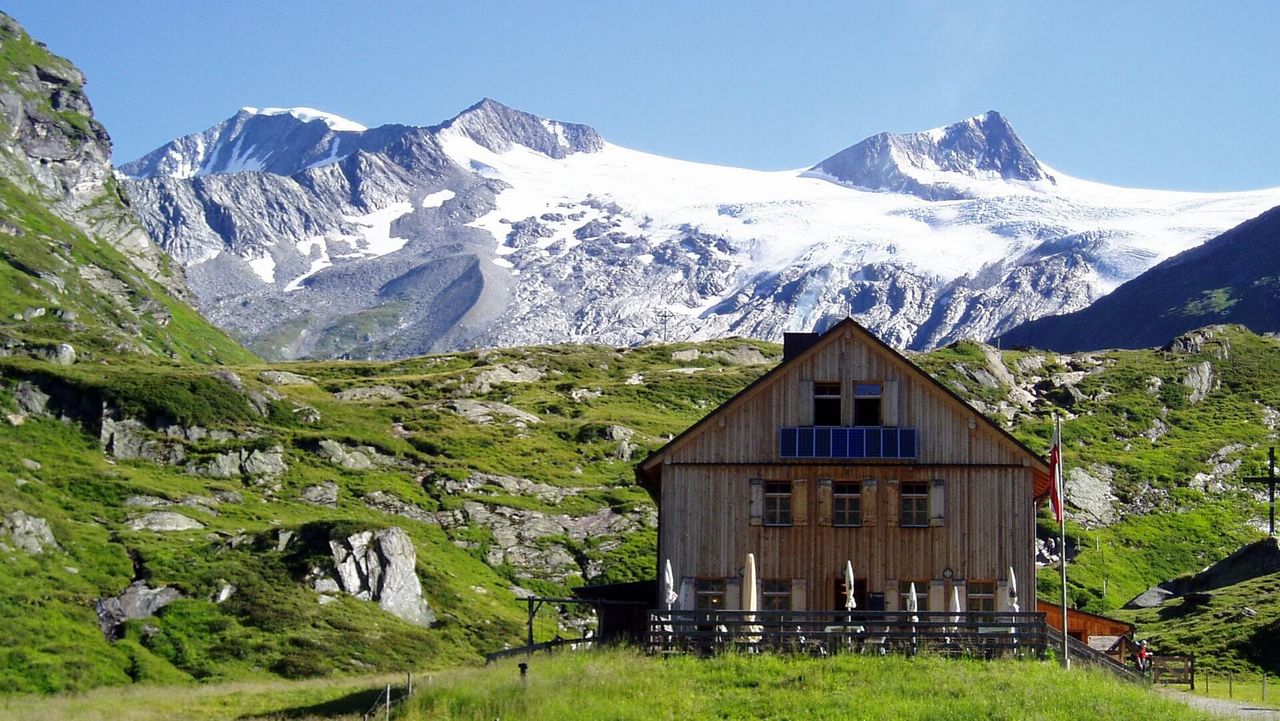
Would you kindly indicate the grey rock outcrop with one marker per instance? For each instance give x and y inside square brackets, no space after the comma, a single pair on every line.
[366,394]
[246,462]
[164,522]
[324,494]
[30,399]
[1090,490]
[381,566]
[138,601]
[389,503]
[283,378]
[357,458]
[128,438]
[28,533]
[1200,380]
[483,412]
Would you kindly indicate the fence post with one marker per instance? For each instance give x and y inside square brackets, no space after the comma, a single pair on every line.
[1264,685]
[387,715]
[1231,682]
[408,686]
[1193,672]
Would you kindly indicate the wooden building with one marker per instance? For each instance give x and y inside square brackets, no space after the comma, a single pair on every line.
[847,452]
[1108,635]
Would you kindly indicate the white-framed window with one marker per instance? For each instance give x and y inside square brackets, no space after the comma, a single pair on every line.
[914,505]
[775,594]
[846,503]
[867,404]
[922,594]
[777,503]
[982,596]
[826,404]
[709,594]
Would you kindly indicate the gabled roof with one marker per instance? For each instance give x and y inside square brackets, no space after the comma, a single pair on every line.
[649,471]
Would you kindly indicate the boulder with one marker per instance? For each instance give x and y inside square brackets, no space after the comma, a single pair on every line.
[164,521]
[230,378]
[382,566]
[483,412]
[127,439]
[684,356]
[63,354]
[358,458]
[29,533]
[1150,598]
[31,465]
[269,462]
[30,399]
[486,379]
[744,355]
[370,393]
[324,494]
[136,602]
[1091,491]
[1200,380]
[388,503]
[283,378]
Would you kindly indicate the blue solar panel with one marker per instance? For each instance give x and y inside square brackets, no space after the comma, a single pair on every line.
[847,443]
[873,443]
[822,442]
[839,442]
[804,443]
[890,441]
[908,447]
[788,449]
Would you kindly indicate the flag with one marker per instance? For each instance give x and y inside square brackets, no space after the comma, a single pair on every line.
[1055,467]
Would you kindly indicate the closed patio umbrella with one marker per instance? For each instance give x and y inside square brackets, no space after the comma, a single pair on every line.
[955,611]
[1013,591]
[850,603]
[750,599]
[669,593]
[912,607]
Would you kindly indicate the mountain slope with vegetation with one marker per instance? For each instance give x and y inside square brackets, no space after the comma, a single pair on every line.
[74,263]
[1230,279]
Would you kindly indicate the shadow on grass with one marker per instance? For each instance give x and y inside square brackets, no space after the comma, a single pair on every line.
[353,704]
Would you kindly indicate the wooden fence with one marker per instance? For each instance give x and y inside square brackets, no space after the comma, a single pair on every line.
[830,632]
[1174,669]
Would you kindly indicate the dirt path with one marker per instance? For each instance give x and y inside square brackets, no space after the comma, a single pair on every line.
[1223,707]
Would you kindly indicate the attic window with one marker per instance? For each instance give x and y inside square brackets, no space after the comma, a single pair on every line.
[866,404]
[826,404]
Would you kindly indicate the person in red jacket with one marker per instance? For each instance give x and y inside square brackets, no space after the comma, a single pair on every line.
[1144,657]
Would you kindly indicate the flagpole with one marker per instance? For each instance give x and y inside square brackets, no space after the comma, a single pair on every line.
[1061,487]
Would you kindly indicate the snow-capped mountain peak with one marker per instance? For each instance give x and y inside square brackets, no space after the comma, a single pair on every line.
[943,163]
[281,141]
[497,127]
[308,115]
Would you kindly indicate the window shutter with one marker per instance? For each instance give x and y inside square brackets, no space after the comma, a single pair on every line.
[870,508]
[1002,596]
[800,502]
[685,600]
[806,403]
[733,598]
[937,595]
[894,511]
[937,502]
[891,595]
[757,501]
[824,502]
[889,403]
[797,595]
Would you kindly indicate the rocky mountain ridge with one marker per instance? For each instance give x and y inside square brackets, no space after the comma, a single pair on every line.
[498,227]
[1233,278]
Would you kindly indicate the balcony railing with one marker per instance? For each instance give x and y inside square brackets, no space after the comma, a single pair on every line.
[823,633]
[869,442]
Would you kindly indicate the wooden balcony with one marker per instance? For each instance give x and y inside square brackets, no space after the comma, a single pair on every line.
[823,633]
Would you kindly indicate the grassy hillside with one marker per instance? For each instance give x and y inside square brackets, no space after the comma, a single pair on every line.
[509,470]
[626,685]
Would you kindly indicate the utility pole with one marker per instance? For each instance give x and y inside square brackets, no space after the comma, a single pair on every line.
[1271,480]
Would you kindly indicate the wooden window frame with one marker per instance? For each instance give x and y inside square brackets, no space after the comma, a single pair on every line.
[841,499]
[779,508]
[773,589]
[824,393]
[913,502]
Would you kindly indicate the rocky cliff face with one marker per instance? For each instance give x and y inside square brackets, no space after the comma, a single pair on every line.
[61,153]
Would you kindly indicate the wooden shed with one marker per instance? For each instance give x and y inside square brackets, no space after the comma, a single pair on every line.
[847,452]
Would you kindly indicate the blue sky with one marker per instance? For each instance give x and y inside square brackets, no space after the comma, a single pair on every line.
[1161,94]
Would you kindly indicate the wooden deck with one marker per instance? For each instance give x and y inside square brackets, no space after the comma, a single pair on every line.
[822,633]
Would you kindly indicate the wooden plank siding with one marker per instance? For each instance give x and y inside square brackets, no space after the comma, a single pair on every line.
[706,529]
[703,482]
